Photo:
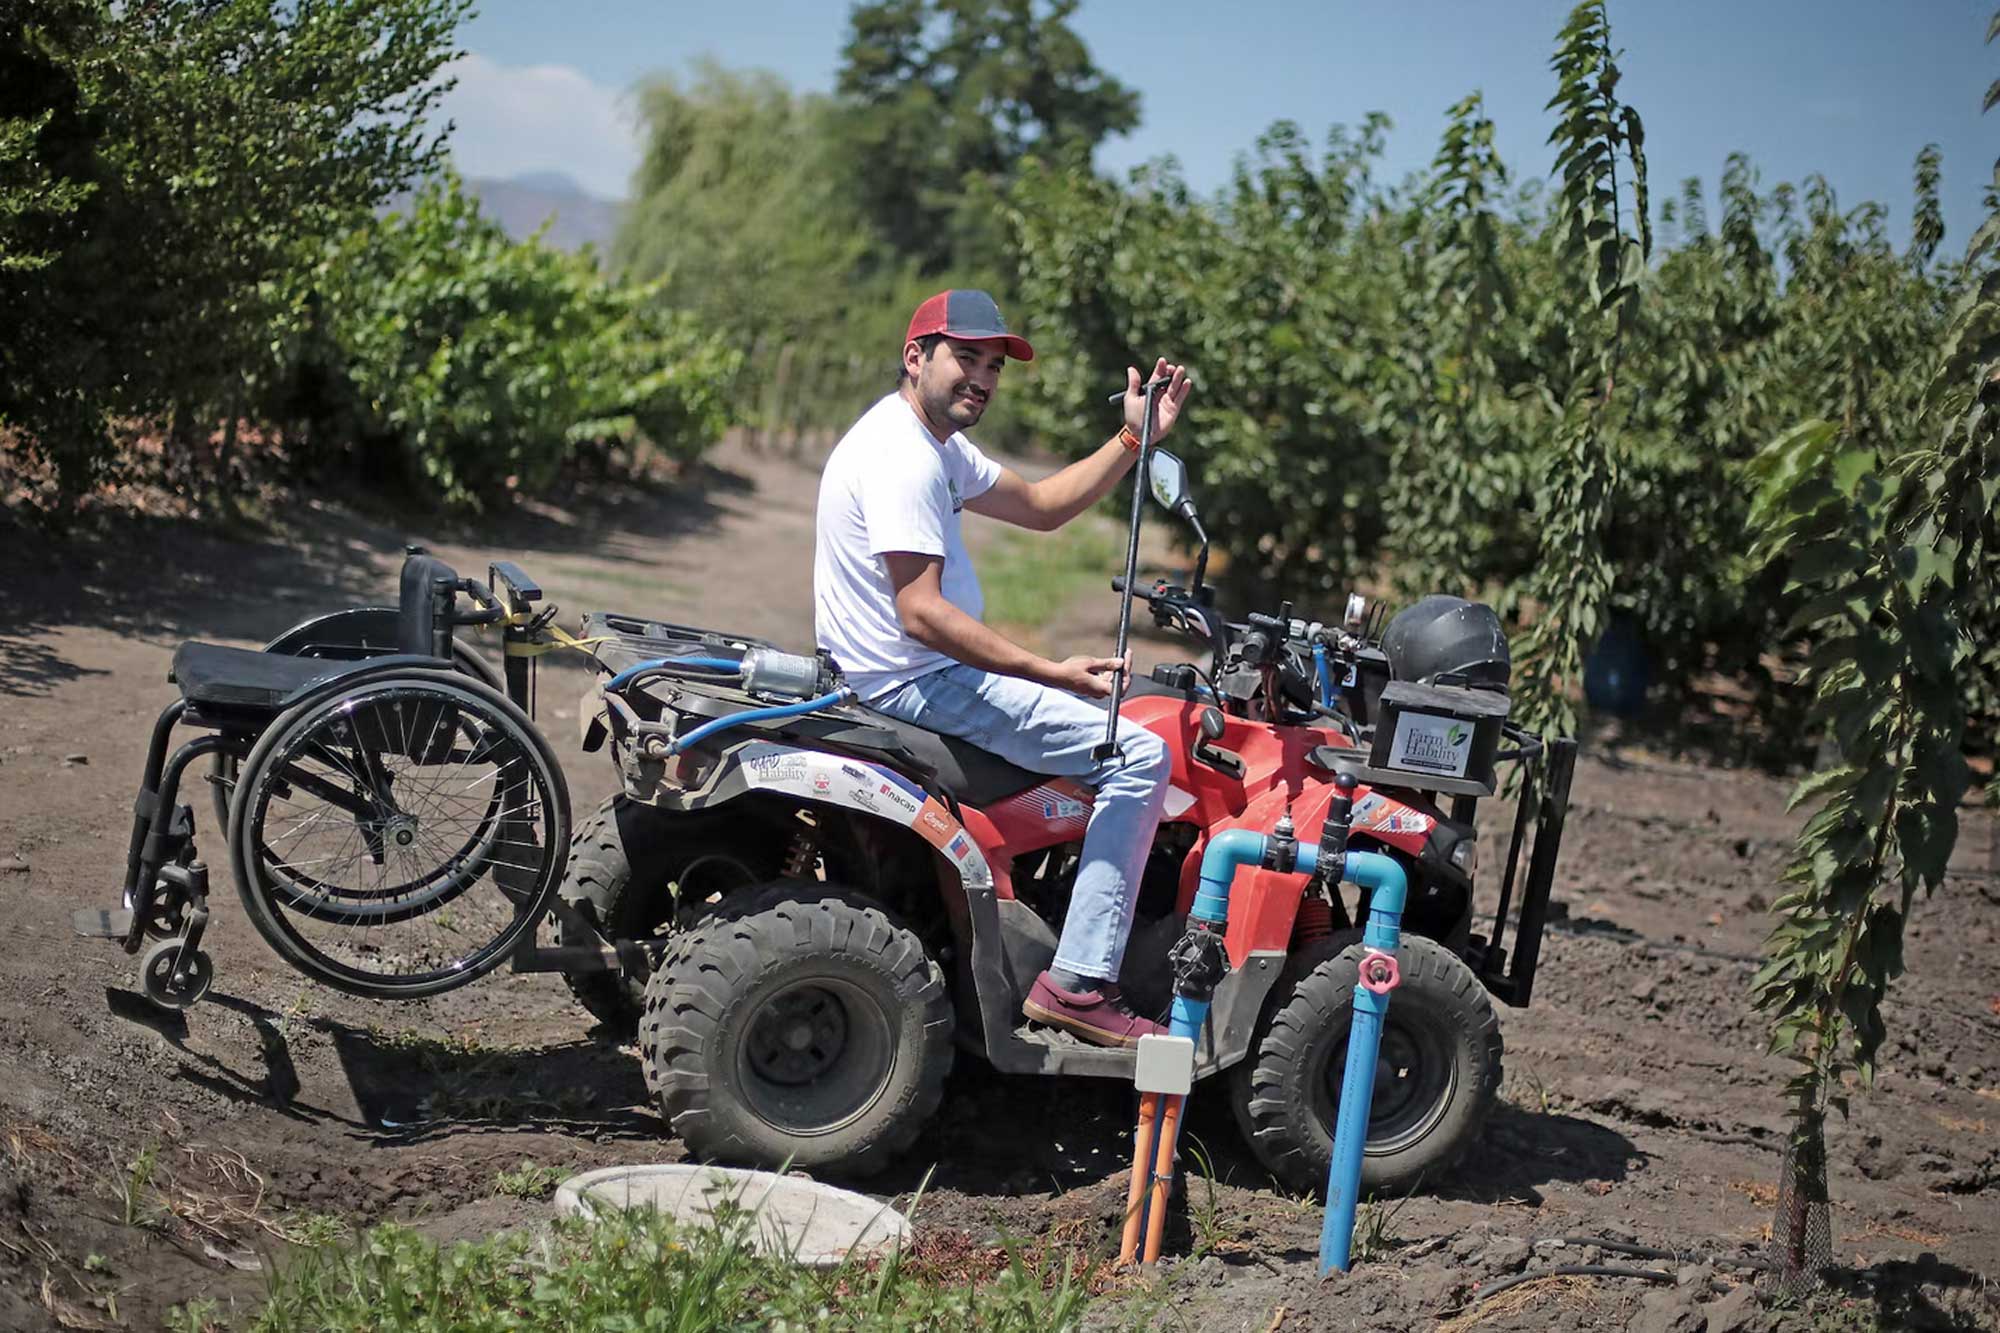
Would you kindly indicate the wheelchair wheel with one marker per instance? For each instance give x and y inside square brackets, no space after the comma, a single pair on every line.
[347,892]
[395,835]
[362,631]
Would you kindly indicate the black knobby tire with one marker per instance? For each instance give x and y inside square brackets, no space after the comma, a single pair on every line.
[624,864]
[523,861]
[1436,1079]
[808,1027]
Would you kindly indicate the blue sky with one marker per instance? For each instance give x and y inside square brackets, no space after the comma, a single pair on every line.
[1847,88]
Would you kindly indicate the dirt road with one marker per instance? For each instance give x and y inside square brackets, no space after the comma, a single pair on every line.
[151,1159]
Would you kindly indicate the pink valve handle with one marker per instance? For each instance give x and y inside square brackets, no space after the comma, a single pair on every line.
[1379,972]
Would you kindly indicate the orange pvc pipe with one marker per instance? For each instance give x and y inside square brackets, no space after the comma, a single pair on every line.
[1142,1154]
[1163,1175]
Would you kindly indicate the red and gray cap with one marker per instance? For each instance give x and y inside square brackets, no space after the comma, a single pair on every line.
[968,315]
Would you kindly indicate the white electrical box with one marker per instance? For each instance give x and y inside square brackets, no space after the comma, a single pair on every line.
[1166,1064]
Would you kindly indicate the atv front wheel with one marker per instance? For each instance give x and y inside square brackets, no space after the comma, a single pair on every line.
[808,1028]
[1435,1078]
[632,866]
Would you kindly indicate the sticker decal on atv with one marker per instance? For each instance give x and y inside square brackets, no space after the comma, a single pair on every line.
[1056,808]
[1431,744]
[936,826]
[770,765]
[838,780]
[899,798]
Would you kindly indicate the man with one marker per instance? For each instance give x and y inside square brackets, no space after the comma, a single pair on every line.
[898,605]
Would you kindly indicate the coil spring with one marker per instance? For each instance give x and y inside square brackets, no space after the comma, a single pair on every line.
[801,856]
[1314,921]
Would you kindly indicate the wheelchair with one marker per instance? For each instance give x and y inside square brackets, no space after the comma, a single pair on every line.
[395,825]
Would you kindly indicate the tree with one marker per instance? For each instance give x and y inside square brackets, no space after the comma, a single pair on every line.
[44,177]
[735,211]
[225,143]
[942,99]
[1572,584]
[474,364]
[1895,555]
[1444,489]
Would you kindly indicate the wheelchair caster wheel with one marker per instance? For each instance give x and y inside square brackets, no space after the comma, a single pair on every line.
[157,974]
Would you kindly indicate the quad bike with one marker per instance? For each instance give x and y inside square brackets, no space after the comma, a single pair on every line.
[805,908]
[812,906]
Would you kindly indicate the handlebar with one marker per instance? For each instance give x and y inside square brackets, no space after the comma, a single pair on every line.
[490,611]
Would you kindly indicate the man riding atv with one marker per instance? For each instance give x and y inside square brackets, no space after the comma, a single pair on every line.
[898,605]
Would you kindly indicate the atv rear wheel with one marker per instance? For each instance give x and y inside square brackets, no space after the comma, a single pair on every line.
[1435,1080]
[632,866]
[807,1028]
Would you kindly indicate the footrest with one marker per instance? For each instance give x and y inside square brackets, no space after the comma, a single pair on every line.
[98,923]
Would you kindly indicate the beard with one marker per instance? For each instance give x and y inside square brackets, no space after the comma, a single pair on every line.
[949,402]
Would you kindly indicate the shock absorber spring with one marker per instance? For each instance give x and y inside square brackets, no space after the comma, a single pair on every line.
[801,856]
[1315,920]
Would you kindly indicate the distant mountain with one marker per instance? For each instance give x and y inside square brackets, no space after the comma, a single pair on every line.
[524,202]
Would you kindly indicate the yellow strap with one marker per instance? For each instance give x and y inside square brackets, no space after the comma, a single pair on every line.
[563,639]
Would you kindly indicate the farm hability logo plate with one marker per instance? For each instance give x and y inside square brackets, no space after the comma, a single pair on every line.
[1431,744]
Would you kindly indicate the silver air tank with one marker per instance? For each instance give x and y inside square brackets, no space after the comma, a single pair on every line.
[787,675]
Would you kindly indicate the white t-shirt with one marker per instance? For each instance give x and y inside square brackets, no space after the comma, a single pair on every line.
[889,485]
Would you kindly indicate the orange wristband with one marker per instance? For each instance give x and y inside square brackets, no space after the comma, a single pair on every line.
[1128,439]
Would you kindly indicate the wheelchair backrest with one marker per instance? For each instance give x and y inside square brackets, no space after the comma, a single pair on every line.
[425,603]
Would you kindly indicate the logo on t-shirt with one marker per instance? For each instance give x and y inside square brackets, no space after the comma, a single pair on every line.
[956,503]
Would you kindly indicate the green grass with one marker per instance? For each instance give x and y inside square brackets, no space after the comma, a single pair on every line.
[1029,577]
[634,1271]
[530,1180]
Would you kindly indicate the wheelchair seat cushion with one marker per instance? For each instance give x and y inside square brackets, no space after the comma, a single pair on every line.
[217,677]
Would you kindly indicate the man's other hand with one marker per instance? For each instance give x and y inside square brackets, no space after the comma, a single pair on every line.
[1089,676]
[1166,408]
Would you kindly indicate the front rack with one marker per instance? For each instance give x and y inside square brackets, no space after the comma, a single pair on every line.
[1541,805]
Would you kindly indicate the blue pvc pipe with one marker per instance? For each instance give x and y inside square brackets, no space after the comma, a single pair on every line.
[708,729]
[1325,672]
[1384,877]
[623,678]
[1228,851]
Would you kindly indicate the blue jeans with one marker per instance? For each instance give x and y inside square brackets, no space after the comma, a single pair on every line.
[1048,731]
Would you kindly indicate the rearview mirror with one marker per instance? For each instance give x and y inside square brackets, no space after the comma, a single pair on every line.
[1169,482]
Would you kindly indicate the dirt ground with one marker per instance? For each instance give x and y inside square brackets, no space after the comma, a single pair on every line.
[148,1159]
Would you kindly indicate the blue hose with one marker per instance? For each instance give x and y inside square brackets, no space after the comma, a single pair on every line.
[708,729]
[624,678]
[1384,877]
[1325,674]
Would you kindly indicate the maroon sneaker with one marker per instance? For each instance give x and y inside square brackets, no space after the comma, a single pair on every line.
[1100,1016]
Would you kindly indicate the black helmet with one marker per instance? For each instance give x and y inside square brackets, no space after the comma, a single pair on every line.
[1442,636]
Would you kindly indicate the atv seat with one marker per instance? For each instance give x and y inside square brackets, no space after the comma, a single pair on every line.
[974,775]
[969,773]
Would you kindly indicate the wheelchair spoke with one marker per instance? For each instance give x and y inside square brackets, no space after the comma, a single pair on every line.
[404,836]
